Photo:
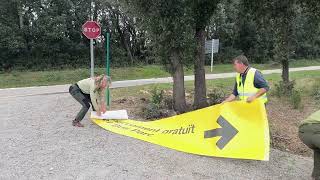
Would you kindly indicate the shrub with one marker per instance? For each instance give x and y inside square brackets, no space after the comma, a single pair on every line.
[216,96]
[296,99]
[157,96]
[288,90]
[316,92]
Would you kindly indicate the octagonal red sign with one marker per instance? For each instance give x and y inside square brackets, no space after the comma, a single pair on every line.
[91,29]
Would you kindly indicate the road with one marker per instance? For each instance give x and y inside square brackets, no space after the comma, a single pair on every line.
[58,89]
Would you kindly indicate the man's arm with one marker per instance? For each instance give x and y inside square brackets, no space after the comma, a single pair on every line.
[233,96]
[103,102]
[95,102]
[261,84]
[230,99]
[261,92]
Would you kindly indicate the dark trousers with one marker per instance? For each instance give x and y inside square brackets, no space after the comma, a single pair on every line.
[83,99]
[310,136]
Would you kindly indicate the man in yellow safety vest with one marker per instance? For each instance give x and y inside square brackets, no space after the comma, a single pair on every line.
[250,84]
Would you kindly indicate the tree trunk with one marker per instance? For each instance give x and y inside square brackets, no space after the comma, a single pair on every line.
[285,29]
[179,98]
[20,18]
[285,71]
[200,91]
[24,30]
[124,40]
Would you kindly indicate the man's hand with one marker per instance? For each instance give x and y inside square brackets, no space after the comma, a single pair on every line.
[225,101]
[99,113]
[229,99]
[250,99]
[259,94]
[103,109]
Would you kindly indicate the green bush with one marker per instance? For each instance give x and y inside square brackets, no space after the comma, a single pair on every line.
[282,90]
[316,91]
[278,90]
[168,102]
[216,96]
[295,99]
[160,105]
[157,96]
[151,111]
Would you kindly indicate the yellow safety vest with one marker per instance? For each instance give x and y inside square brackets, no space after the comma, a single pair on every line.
[247,89]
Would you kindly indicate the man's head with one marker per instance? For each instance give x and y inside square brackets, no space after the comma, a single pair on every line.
[240,63]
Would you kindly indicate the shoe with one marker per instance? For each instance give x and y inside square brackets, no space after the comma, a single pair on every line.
[77,124]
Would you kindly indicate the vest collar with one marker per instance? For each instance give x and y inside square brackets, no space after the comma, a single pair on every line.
[245,72]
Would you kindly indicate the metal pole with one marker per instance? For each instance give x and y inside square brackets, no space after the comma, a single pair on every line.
[92,58]
[91,10]
[91,43]
[212,54]
[108,98]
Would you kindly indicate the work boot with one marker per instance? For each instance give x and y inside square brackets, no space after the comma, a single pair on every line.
[76,123]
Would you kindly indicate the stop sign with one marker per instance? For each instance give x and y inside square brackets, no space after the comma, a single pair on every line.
[91,29]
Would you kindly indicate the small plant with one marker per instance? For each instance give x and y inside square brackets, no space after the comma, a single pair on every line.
[157,96]
[159,105]
[295,99]
[151,111]
[287,90]
[283,89]
[216,96]
[278,90]
[316,92]
[168,102]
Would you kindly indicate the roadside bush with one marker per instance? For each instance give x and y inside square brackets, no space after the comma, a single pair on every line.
[168,102]
[216,96]
[160,105]
[316,92]
[295,99]
[157,96]
[151,111]
[281,89]
[288,91]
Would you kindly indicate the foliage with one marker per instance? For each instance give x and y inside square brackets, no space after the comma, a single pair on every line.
[160,105]
[47,34]
[216,96]
[288,91]
[316,91]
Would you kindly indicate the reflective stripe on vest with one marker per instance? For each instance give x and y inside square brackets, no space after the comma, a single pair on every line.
[247,89]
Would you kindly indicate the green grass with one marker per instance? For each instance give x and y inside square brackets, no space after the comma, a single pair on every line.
[42,78]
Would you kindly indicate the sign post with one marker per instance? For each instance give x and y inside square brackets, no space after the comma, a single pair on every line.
[91,58]
[107,43]
[92,30]
[212,46]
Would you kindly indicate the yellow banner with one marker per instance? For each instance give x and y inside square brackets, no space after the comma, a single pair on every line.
[232,130]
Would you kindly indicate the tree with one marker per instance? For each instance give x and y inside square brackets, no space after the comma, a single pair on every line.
[202,10]
[169,27]
[224,26]
[283,15]
[12,39]
[280,15]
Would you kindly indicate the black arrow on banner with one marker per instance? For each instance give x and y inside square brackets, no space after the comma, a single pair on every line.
[227,132]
